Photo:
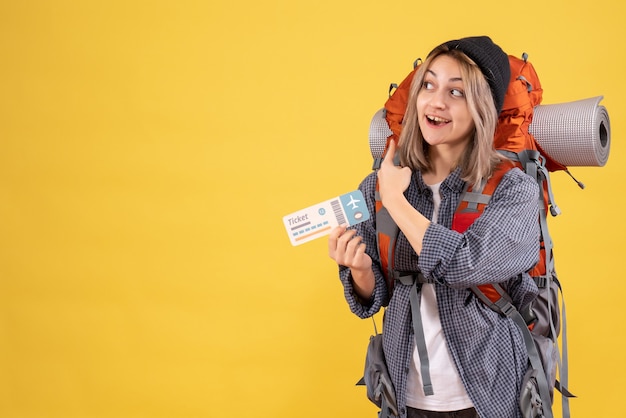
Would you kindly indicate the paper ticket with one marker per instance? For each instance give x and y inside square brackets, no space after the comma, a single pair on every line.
[317,220]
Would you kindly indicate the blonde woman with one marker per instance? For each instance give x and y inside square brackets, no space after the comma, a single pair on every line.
[477,358]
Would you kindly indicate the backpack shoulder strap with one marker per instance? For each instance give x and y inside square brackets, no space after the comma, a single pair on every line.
[471,205]
[386,235]
[473,200]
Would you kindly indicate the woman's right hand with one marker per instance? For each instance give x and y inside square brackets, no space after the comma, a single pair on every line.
[347,249]
[392,180]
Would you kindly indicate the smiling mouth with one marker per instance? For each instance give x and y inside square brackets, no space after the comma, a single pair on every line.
[437,121]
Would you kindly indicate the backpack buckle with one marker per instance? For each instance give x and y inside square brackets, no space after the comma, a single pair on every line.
[506,307]
[541,281]
[407,278]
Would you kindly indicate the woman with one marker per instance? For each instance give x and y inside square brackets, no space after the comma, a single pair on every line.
[477,357]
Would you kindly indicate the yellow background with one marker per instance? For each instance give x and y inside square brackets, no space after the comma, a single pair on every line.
[149,149]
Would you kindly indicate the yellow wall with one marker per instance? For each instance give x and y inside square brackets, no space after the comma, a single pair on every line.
[149,149]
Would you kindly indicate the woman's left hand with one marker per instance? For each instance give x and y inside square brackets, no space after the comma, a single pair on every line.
[392,180]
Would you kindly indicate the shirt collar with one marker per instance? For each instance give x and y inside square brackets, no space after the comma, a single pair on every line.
[453,182]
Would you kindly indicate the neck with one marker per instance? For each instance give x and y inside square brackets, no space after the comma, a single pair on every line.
[443,161]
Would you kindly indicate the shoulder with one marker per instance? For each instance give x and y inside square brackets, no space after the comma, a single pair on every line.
[515,183]
[368,188]
[369,180]
[368,185]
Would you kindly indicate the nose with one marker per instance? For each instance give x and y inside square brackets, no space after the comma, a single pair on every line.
[438,99]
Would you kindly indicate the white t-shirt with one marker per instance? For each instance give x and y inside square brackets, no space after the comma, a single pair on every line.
[449,392]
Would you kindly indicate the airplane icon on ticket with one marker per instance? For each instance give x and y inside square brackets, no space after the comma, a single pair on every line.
[353,202]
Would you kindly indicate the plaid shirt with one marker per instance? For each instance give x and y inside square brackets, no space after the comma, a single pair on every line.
[500,246]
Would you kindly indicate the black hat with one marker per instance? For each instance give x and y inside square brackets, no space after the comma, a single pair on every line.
[492,61]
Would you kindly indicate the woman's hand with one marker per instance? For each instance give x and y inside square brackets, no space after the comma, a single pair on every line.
[392,180]
[347,249]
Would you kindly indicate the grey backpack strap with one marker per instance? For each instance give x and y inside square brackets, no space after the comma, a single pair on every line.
[475,197]
[502,305]
[562,365]
[418,331]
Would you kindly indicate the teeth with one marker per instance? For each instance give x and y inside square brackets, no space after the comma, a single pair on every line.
[437,119]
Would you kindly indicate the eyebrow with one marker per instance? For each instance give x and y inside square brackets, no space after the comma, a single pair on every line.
[452,79]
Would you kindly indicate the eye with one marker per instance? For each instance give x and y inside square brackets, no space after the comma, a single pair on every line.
[427,85]
[457,93]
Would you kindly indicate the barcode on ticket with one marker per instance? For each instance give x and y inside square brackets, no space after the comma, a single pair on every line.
[338,212]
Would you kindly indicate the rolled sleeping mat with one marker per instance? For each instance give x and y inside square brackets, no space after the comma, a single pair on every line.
[379,132]
[573,134]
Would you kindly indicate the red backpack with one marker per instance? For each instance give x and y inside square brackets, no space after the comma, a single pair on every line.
[541,324]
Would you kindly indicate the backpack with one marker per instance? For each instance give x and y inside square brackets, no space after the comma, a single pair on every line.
[541,323]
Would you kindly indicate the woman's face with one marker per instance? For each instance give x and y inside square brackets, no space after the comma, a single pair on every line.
[442,111]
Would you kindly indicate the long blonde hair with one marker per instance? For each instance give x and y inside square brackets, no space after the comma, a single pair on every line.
[480,157]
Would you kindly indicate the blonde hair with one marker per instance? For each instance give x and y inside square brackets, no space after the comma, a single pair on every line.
[480,157]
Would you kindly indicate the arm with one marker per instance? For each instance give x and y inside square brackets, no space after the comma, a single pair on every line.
[503,242]
[393,182]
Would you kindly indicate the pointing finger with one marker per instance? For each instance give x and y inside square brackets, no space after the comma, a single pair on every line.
[391,152]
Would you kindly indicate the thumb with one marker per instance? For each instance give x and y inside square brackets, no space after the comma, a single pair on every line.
[391,152]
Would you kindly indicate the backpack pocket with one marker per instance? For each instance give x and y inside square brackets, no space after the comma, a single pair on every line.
[376,378]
